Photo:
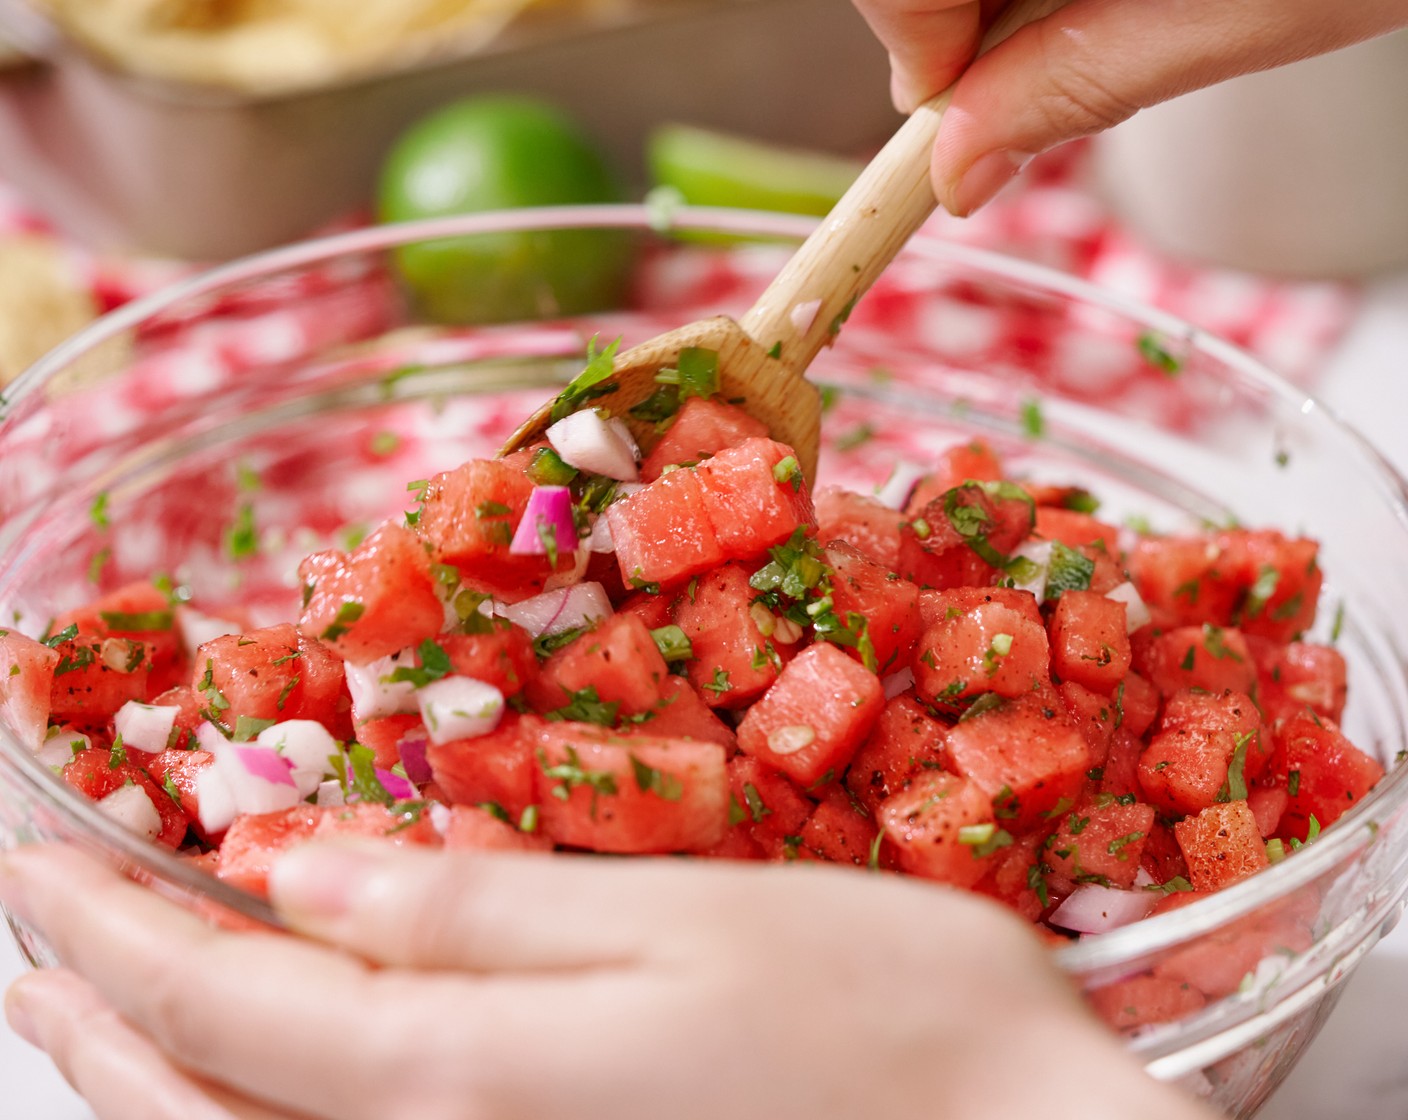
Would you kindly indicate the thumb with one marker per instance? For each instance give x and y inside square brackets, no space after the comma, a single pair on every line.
[487,912]
[1094,63]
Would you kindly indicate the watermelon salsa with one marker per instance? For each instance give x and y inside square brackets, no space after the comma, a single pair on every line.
[577,647]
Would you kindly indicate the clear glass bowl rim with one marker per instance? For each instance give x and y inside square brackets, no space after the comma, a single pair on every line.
[1090,954]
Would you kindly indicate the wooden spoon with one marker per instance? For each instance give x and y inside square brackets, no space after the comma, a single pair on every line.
[764,356]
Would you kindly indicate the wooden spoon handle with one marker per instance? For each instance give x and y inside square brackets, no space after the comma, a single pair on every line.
[803,308]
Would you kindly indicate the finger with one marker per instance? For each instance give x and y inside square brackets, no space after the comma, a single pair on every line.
[282,1020]
[929,43]
[496,913]
[121,1074]
[1094,63]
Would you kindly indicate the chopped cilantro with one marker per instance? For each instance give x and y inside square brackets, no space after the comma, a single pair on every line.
[139,620]
[356,773]
[591,383]
[673,643]
[1067,570]
[720,684]
[571,775]
[587,706]
[117,755]
[1033,422]
[242,538]
[1155,351]
[667,787]
[348,612]
[98,511]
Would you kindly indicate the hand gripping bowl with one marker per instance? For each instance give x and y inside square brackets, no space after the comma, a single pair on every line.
[236,421]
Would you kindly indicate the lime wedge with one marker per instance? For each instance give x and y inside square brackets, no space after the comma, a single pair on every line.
[721,169]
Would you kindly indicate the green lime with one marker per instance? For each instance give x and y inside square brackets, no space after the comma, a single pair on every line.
[719,169]
[499,153]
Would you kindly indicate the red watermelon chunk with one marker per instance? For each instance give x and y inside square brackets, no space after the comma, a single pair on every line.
[888,605]
[813,720]
[373,601]
[980,642]
[1024,754]
[26,683]
[755,497]
[498,768]
[942,827]
[1207,657]
[733,662]
[1089,640]
[611,794]
[1221,845]
[704,426]
[862,522]
[663,534]
[904,741]
[1324,774]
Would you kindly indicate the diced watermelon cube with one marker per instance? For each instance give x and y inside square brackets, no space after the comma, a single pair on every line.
[904,741]
[752,501]
[941,827]
[137,611]
[617,662]
[861,521]
[94,676]
[1140,1000]
[814,719]
[1102,842]
[501,656]
[889,606]
[273,673]
[963,462]
[979,643]
[472,828]
[766,806]
[840,830]
[97,772]
[629,795]
[26,683]
[703,427]
[1299,675]
[1184,769]
[733,663]
[1221,845]
[1324,774]
[1089,640]
[373,601]
[663,534]
[682,714]
[498,768]
[1074,528]
[1024,754]
[1208,657]
[963,536]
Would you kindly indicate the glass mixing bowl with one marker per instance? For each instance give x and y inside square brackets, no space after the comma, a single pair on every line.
[222,428]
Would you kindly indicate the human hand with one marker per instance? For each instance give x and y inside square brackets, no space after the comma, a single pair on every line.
[557,986]
[1085,67]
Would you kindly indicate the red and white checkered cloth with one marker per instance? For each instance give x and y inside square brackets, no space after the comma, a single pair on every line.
[1050,217]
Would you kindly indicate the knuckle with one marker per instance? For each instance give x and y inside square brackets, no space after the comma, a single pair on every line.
[1080,97]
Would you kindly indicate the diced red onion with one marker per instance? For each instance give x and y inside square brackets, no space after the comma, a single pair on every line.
[195,628]
[373,694]
[256,779]
[397,786]
[1039,553]
[588,441]
[803,315]
[568,576]
[563,609]
[331,793]
[265,764]
[456,707]
[306,746]
[895,490]
[599,540]
[548,508]
[130,807]
[1092,908]
[216,799]
[145,727]
[897,682]
[1136,610]
[411,748]
[60,744]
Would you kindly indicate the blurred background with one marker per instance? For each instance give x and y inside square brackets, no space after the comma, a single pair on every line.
[141,139]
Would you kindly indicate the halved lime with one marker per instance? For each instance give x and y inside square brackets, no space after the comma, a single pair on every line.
[711,168]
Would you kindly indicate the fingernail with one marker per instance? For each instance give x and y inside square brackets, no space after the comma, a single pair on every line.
[18,1016]
[988,175]
[322,880]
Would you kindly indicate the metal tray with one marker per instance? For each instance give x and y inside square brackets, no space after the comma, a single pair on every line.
[120,162]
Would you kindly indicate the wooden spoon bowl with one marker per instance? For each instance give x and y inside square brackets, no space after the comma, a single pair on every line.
[764,356]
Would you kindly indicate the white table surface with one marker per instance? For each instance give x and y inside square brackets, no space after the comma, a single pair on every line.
[1356,1069]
